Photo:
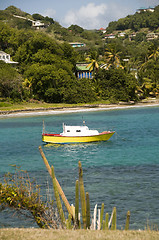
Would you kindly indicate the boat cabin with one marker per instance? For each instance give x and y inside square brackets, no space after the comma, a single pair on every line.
[78,131]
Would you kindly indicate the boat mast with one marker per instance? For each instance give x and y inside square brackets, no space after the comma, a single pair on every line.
[43,127]
[63,128]
[84,123]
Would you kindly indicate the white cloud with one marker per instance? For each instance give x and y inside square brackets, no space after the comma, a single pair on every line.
[88,16]
[94,16]
[115,12]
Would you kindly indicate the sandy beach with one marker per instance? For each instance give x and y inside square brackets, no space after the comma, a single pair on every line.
[85,108]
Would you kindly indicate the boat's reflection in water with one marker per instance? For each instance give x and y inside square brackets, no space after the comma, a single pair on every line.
[70,145]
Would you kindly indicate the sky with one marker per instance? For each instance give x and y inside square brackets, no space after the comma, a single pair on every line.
[88,14]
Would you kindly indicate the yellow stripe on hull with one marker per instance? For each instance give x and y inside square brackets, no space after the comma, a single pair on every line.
[80,139]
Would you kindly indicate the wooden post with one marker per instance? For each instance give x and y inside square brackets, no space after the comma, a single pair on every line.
[69,209]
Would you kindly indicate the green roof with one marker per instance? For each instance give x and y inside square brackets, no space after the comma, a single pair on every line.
[82,67]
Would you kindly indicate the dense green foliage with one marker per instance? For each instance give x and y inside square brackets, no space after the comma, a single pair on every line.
[137,21]
[10,82]
[116,85]
[122,70]
[19,193]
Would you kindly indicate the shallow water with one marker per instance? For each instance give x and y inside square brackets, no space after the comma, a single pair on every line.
[122,172]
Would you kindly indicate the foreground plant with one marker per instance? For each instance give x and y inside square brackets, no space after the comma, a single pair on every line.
[73,214]
[19,193]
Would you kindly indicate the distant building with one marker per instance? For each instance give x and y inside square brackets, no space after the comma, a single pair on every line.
[82,71]
[6,58]
[132,35]
[110,36]
[77,44]
[103,30]
[122,34]
[152,36]
[149,9]
[38,24]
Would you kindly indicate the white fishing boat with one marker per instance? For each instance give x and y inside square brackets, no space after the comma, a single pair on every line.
[76,134]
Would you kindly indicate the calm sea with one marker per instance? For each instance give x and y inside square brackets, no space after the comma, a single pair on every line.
[122,172]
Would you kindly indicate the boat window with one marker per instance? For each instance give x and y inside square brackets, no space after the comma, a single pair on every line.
[78,130]
[68,130]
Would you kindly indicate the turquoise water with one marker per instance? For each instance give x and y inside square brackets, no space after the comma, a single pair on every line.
[122,172]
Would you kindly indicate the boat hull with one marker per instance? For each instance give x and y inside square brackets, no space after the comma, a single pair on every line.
[57,138]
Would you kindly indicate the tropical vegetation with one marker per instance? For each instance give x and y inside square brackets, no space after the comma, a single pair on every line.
[136,22]
[123,70]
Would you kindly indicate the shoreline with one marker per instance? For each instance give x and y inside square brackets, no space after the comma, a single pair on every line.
[85,108]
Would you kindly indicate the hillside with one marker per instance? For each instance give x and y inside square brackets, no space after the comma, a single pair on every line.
[136,22]
[16,18]
[49,67]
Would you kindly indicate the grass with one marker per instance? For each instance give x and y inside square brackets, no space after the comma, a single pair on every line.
[34,234]
[6,106]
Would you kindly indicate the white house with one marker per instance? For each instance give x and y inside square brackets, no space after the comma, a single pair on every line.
[142,9]
[6,58]
[109,36]
[38,24]
[122,34]
[152,36]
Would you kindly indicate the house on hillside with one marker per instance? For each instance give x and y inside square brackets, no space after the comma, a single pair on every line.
[77,44]
[152,36]
[6,58]
[121,34]
[82,71]
[38,24]
[131,36]
[103,30]
[149,9]
[110,36]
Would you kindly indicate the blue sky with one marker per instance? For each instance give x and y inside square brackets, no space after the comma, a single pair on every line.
[89,14]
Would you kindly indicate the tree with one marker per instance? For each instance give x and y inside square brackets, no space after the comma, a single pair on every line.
[93,61]
[37,16]
[10,82]
[82,91]
[154,54]
[149,72]
[93,66]
[76,29]
[112,58]
[116,85]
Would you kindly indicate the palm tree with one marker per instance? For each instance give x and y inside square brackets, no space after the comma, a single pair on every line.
[28,84]
[93,63]
[149,83]
[112,58]
[154,54]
